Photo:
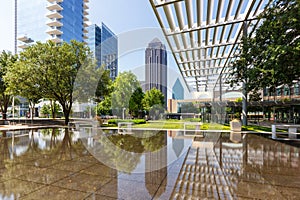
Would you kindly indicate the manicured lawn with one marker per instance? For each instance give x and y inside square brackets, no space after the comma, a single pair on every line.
[179,124]
[166,124]
[161,124]
[259,128]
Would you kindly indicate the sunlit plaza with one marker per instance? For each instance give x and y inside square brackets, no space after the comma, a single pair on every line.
[59,163]
[161,99]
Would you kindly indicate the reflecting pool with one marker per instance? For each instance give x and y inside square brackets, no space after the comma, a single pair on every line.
[59,163]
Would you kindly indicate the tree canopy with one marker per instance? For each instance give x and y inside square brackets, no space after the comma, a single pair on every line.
[52,71]
[153,97]
[7,60]
[104,86]
[104,107]
[124,86]
[135,103]
[271,57]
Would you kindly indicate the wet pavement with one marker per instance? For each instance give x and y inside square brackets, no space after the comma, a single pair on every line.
[58,163]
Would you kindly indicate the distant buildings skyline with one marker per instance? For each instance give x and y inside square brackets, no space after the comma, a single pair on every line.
[63,20]
[156,67]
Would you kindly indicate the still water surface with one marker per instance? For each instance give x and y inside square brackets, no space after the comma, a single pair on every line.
[59,163]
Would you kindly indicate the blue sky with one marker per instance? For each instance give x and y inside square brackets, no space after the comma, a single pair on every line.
[127,19]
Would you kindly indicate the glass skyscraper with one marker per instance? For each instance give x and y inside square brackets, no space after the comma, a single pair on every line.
[104,43]
[177,90]
[56,20]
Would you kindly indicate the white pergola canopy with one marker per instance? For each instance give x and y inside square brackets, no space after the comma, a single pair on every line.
[204,35]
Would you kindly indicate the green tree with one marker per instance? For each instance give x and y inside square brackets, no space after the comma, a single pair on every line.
[104,87]
[271,57]
[21,80]
[135,103]
[6,61]
[104,107]
[45,110]
[54,108]
[65,73]
[277,42]
[124,86]
[153,97]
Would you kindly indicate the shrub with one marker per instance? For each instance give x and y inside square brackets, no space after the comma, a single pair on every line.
[139,121]
[193,119]
[135,121]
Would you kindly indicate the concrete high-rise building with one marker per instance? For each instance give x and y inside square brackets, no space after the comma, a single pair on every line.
[104,43]
[156,67]
[177,90]
[56,20]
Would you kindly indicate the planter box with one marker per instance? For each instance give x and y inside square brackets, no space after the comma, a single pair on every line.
[235,125]
[235,136]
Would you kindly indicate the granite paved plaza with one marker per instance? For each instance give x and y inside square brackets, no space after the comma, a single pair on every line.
[57,164]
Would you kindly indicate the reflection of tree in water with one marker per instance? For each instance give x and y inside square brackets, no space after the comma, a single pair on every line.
[127,143]
[139,142]
[123,152]
[4,150]
[54,133]
[65,147]
[55,151]
[33,146]
[109,150]
[154,143]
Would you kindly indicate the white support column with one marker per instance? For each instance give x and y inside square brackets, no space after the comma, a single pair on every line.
[244,102]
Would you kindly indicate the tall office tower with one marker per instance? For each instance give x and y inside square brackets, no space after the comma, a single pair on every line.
[104,43]
[156,67]
[56,20]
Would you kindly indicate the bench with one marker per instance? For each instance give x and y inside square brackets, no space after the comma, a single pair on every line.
[292,130]
[122,129]
[84,124]
[10,123]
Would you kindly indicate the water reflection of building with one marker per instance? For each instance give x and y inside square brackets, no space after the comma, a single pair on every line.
[223,170]
[177,143]
[156,166]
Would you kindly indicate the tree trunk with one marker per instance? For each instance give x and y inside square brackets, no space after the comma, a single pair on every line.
[4,114]
[52,106]
[4,106]
[66,109]
[32,109]
[66,114]
[67,118]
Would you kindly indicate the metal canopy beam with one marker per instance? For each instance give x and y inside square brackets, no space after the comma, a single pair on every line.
[204,36]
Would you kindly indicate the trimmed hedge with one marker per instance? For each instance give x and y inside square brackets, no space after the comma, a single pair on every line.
[135,121]
[193,119]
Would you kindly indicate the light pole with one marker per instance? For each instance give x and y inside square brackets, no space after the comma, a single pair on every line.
[124,113]
[13,107]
